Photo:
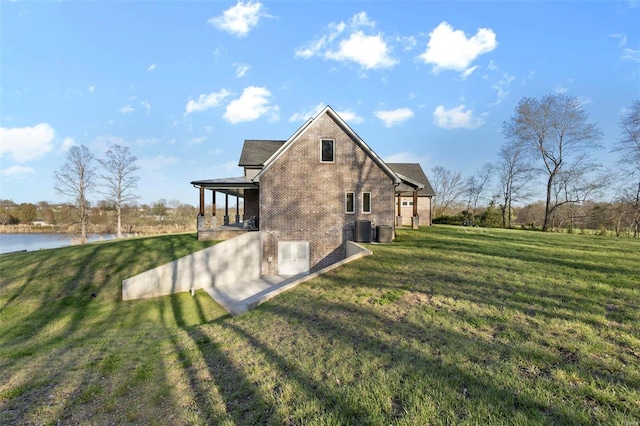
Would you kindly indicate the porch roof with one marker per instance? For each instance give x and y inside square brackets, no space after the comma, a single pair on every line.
[231,185]
[412,173]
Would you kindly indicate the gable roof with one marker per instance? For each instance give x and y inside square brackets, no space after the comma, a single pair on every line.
[256,152]
[328,110]
[414,172]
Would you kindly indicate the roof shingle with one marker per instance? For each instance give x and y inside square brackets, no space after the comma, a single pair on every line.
[256,152]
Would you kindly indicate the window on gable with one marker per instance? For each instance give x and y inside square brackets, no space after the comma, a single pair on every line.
[349,202]
[366,202]
[327,151]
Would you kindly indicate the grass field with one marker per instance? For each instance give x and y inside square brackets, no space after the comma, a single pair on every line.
[441,327]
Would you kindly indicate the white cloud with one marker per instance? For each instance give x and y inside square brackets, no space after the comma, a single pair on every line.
[348,42]
[156,163]
[241,69]
[239,19]
[127,109]
[492,65]
[450,49]
[350,117]
[502,87]
[67,143]
[195,141]
[305,115]
[251,105]
[466,73]
[151,67]
[17,172]
[370,52]
[26,143]
[455,118]
[409,42]
[622,37]
[91,88]
[583,100]
[630,55]
[393,117]
[207,101]
[147,106]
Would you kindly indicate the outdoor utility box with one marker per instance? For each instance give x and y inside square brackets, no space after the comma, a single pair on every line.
[384,233]
[363,231]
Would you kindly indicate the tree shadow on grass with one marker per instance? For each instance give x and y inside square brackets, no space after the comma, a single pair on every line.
[395,344]
[69,304]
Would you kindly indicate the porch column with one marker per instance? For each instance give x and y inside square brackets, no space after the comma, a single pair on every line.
[200,221]
[237,209]
[201,213]
[399,217]
[226,209]
[213,209]
[415,220]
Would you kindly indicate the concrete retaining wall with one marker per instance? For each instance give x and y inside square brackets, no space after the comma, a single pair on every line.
[235,260]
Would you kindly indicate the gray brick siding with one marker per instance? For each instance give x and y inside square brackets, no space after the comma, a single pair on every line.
[251,204]
[303,199]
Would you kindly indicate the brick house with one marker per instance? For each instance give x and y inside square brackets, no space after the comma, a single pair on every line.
[315,191]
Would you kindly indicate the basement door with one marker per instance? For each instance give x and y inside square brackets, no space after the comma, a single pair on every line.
[293,257]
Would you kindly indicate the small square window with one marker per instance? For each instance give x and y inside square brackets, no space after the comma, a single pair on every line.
[327,154]
[349,202]
[366,202]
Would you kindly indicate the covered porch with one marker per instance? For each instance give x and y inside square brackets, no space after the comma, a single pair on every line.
[408,189]
[212,227]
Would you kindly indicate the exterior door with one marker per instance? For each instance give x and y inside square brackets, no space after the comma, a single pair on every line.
[293,257]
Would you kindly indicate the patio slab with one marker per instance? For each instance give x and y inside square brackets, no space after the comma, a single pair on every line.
[240,297]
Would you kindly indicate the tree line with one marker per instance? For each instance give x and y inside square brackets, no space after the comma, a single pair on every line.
[102,215]
[549,149]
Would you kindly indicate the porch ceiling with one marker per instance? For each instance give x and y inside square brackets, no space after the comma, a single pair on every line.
[232,186]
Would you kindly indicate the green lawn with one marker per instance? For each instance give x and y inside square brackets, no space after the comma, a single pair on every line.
[441,327]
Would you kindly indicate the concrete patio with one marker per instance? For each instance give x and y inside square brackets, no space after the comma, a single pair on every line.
[237,298]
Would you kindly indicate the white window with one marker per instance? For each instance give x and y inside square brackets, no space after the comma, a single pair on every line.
[349,202]
[327,151]
[366,202]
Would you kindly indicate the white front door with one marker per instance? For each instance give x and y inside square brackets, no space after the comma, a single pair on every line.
[293,257]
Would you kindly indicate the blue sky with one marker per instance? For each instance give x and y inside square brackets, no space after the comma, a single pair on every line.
[184,83]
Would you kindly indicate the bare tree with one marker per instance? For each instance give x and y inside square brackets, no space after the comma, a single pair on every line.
[554,130]
[629,148]
[515,177]
[448,187]
[118,178]
[574,185]
[476,186]
[76,179]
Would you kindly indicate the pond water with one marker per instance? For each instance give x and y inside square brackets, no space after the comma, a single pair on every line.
[19,242]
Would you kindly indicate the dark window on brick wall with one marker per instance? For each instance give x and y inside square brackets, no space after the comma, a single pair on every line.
[366,202]
[349,202]
[327,150]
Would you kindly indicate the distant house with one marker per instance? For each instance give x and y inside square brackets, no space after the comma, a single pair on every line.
[311,193]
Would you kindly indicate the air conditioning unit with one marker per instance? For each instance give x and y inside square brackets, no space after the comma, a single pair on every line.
[384,233]
[363,231]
